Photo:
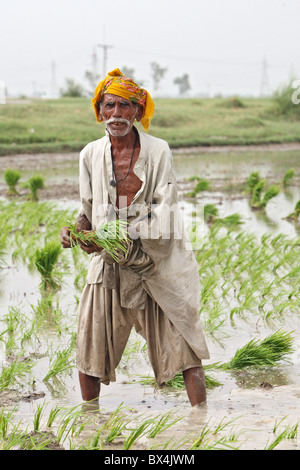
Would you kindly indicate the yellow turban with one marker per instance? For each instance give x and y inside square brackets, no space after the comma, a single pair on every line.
[117,84]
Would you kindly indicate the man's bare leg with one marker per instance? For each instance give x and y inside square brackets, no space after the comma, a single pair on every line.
[90,387]
[194,380]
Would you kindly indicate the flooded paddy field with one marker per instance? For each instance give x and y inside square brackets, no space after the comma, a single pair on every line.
[249,275]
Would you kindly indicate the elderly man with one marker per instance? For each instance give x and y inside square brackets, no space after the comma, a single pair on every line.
[155,286]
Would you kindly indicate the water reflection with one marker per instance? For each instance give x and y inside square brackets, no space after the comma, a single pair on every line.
[227,174]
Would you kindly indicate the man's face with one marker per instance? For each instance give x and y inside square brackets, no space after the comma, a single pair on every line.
[118,114]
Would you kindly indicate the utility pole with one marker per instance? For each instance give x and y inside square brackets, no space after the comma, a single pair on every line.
[264,86]
[104,47]
[53,91]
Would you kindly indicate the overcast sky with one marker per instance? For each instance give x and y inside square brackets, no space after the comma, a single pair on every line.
[220,44]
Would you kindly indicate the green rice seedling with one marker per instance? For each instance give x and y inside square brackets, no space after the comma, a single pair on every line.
[5,420]
[292,431]
[278,439]
[289,432]
[173,444]
[295,215]
[202,185]
[112,237]
[270,193]
[257,192]
[39,440]
[54,412]
[13,372]
[115,425]
[12,178]
[162,423]
[45,261]
[177,383]
[136,433]
[34,184]
[252,181]
[265,353]
[210,212]
[207,440]
[259,201]
[288,176]
[94,442]
[13,438]
[69,423]
[194,178]
[61,362]
[2,252]
[37,417]
[229,220]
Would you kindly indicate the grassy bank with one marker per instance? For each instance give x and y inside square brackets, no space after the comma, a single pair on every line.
[67,124]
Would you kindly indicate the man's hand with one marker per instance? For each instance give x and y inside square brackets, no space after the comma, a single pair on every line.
[67,243]
[65,237]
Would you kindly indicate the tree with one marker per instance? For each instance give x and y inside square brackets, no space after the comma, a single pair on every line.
[183,84]
[72,89]
[128,72]
[158,73]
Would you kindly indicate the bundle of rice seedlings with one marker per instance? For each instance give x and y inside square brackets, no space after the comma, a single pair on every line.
[288,176]
[265,353]
[210,212]
[34,184]
[45,261]
[232,219]
[12,177]
[258,201]
[271,192]
[252,181]
[295,215]
[256,193]
[111,237]
[202,185]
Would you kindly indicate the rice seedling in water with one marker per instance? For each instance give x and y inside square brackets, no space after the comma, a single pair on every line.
[34,184]
[52,415]
[202,185]
[162,423]
[5,419]
[252,181]
[260,200]
[287,177]
[229,220]
[289,432]
[207,440]
[112,237]
[45,261]
[114,426]
[12,178]
[136,433]
[15,371]
[61,362]
[295,215]
[13,438]
[210,212]
[37,417]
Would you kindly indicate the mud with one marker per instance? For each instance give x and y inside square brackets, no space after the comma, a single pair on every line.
[254,403]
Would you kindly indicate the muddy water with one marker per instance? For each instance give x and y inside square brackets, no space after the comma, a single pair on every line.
[242,398]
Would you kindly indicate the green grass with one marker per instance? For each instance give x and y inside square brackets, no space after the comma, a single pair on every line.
[67,124]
